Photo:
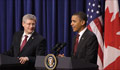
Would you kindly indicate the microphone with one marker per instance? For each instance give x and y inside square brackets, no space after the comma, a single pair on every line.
[61,46]
[55,47]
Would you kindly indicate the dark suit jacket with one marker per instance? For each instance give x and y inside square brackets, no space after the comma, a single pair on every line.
[87,48]
[36,45]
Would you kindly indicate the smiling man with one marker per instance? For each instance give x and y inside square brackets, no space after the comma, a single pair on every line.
[28,43]
[85,44]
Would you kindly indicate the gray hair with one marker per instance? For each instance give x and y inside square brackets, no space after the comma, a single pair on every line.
[29,16]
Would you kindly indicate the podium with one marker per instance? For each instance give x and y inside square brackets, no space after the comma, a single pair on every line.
[11,63]
[7,62]
[66,63]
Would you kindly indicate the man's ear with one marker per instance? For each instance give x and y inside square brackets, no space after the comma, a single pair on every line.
[23,24]
[83,22]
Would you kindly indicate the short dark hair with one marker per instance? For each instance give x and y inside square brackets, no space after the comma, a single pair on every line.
[81,15]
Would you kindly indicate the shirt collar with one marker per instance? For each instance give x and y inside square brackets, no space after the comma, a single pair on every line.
[81,33]
[29,35]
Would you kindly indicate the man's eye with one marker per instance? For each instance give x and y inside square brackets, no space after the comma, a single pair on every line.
[74,21]
[28,24]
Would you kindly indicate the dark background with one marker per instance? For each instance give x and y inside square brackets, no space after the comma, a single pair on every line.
[53,20]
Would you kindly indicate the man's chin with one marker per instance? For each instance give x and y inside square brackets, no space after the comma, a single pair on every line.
[74,30]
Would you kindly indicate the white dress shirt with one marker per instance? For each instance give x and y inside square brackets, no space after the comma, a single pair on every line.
[81,33]
[23,37]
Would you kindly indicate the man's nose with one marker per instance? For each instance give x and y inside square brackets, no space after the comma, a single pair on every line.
[71,23]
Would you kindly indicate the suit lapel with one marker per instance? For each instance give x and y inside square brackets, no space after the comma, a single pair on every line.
[84,36]
[27,45]
[18,43]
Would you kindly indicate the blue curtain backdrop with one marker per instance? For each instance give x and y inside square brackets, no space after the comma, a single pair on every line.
[53,20]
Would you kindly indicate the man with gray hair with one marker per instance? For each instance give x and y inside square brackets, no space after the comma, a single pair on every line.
[28,43]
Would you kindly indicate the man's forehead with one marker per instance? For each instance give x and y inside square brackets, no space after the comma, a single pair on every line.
[75,17]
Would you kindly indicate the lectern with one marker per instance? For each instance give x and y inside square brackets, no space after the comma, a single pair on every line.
[66,63]
[11,63]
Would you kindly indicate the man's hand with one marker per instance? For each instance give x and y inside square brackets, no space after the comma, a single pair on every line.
[61,55]
[23,59]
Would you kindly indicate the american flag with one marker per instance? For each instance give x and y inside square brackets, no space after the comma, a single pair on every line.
[95,24]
